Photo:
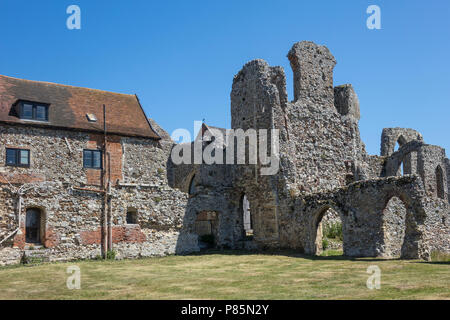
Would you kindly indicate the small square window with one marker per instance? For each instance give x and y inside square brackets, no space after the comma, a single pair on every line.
[92,159]
[17,157]
[131,217]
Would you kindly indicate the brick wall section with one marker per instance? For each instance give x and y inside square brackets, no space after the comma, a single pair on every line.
[21,178]
[91,237]
[51,238]
[114,148]
[127,234]
[94,176]
[19,239]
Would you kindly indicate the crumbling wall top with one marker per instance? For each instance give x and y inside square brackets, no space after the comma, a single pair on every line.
[312,66]
[346,101]
[257,90]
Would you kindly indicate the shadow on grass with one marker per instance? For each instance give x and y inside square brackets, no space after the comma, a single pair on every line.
[434,262]
[286,253]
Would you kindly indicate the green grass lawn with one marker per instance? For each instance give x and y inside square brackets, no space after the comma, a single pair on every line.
[230,275]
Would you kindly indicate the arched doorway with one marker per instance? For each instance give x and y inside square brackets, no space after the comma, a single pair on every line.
[34,226]
[329,238]
[247,218]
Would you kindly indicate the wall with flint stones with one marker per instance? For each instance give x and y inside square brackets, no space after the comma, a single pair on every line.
[71,215]
[323,166]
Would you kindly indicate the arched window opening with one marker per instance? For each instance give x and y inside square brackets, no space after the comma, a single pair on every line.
[329,233]
[192,186]
[34,226]
[440,182]
[247,217]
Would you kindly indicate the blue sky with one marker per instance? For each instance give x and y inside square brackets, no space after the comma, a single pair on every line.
[180,56]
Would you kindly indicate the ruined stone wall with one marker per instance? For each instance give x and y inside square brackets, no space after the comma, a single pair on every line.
[384,217]
[428,159]
[323,123]
[447,165]
[323,167]
[259,101]
[437,225]
[425,161]
[391,136]
[373,167]
[320,146]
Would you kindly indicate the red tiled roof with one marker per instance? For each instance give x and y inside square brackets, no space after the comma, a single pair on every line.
[70,105]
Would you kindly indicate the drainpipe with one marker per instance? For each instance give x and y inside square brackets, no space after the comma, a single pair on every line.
[110,242]
[105,195]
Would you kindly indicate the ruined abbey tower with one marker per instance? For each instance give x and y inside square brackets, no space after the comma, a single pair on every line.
[77,181]
[385,210]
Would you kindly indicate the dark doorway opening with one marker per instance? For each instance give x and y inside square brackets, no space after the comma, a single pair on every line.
[33,226]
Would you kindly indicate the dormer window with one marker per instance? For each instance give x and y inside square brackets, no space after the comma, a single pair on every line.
[33,111]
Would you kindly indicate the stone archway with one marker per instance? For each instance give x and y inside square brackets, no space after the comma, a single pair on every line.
[326,217]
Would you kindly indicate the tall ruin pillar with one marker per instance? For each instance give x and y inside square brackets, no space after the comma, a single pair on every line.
[313,72]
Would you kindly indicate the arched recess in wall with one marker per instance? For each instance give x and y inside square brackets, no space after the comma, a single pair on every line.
[328,232]
[394,228]
[35,226]
[247,218]
[440,182]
